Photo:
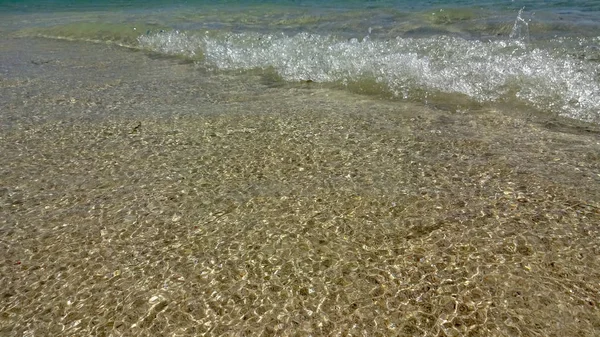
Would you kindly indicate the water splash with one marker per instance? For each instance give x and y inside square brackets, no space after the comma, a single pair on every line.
[520,30]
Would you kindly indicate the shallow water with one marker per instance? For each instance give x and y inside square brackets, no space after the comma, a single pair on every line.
[147,196]
[237,191]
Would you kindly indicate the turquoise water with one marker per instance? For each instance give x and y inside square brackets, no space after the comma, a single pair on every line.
[538,55]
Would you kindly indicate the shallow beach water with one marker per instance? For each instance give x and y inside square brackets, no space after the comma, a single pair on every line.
[147,195]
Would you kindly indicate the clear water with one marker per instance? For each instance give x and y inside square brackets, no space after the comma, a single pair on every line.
[299,168]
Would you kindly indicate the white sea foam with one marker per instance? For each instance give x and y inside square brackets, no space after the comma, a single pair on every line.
[547,78]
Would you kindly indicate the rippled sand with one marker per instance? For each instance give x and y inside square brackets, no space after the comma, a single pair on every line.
[143,196]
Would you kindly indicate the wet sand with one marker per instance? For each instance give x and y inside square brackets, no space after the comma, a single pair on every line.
[145,196]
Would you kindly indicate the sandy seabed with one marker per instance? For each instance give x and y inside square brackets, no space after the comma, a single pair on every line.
[144,196]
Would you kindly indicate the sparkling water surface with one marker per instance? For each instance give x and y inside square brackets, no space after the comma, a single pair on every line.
[299,168]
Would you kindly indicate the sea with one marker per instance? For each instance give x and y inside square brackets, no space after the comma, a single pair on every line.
[539,56]
[299,168]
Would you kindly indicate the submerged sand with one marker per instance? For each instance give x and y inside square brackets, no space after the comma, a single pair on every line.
[148,203]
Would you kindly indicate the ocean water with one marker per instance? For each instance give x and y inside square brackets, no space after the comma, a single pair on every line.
[538,56]
[299,168]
